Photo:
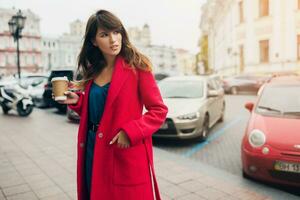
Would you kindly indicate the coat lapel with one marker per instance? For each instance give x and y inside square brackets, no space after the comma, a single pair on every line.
[119,76]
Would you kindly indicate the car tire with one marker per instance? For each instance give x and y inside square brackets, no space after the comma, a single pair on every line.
[234,90]
[205,128]
[221,119]
[246,176]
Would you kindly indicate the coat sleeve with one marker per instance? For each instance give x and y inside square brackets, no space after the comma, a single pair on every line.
[78,106]
[156,113]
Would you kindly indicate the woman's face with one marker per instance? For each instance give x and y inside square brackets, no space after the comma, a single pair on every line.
[109,42]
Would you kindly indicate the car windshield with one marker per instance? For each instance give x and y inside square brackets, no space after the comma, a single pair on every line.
[280,100]
[181,88]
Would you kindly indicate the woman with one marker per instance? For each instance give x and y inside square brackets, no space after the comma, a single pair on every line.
[115,160]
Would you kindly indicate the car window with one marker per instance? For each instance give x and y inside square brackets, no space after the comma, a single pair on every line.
[60,73]
[280,100]
[214,84]
[210,85]
[181,88]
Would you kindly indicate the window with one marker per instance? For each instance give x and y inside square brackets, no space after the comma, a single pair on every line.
[241,11]
[263,8]
[264,51]
[6,60]
[298,47]
[242,63]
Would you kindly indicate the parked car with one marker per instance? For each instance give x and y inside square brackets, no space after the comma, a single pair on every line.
[48,88]
[27,79]
[271,145]
[160,76]
[195,104]
[244,83]
[72,115]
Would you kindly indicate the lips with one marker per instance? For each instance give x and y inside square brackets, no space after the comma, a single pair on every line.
[114,47]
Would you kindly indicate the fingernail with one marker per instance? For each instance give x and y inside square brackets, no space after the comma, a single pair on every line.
[110,142]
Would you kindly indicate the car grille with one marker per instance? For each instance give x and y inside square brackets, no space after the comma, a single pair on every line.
[287,176]
[291,155]
[171,128]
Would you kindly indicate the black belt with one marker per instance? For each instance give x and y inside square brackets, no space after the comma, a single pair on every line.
[93,127]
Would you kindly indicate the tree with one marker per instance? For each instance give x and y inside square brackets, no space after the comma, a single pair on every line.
[202,56]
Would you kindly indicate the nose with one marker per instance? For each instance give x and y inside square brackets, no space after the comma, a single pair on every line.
[112,37]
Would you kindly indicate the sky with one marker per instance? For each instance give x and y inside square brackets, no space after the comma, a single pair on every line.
[172,22]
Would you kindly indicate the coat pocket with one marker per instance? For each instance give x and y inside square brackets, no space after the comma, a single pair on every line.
[131,166]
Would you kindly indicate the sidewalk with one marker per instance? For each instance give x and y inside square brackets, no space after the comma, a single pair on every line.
[40,164]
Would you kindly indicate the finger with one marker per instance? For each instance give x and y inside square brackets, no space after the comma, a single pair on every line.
[114,139]
[67,93]
[123,146]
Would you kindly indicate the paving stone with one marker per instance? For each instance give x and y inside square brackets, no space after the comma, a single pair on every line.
[23,196]
[16,189]
[174,191]
[193,186]
[48,191]
[211,194]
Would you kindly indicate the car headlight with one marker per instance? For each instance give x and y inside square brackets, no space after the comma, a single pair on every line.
[189,116]
[257,138]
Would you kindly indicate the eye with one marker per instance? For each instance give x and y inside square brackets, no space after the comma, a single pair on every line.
[116,32]
[103,34]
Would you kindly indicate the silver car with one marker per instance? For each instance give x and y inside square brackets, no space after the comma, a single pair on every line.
[195,103]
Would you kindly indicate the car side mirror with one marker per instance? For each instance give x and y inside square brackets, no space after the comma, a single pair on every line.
[249,106]
[213,93]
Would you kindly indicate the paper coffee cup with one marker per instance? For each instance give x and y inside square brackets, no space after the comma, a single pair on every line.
[59,86]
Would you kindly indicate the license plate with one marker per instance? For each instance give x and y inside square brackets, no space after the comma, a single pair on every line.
[287,166]
[164,126]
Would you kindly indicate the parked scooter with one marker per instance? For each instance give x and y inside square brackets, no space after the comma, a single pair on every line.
[15,97]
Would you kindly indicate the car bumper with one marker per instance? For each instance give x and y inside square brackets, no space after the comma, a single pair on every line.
[261,167]
[187,129]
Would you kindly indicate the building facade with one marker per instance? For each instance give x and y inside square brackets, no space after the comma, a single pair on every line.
[252,36]
[165,59]
[62,52]
[30,44]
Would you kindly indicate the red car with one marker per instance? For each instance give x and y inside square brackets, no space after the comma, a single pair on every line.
[271,144]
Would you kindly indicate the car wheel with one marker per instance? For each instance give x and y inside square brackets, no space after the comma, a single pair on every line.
[234,90]
[205,128]
[246,176]
[221,119]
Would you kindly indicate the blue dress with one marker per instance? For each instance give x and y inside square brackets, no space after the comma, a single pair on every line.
[97,98]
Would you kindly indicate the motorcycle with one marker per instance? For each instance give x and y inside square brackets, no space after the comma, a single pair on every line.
[15,97]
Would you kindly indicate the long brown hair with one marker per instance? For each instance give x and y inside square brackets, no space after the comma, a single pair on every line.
[91,60]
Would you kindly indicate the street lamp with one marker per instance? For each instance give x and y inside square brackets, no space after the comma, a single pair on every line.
[16,24]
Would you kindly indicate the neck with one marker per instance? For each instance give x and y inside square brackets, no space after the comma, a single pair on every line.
[110,60]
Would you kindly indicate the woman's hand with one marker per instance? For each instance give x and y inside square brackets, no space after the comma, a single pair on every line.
[72,98]
[122,140]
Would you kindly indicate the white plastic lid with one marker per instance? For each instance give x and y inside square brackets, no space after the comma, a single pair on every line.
[59,79]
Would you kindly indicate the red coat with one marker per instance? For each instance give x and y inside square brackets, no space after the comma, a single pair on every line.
[122,174]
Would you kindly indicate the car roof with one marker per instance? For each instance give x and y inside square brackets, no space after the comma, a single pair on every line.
[189,77]
[285,80]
